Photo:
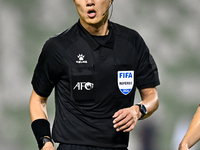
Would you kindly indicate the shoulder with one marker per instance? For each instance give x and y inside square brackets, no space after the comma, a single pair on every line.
[65,38]
[124,31]
[127,33]
[60,42]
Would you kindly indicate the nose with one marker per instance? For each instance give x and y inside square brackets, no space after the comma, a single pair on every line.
[90,3]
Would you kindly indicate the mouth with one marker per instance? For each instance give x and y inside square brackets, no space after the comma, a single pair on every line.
[91,13]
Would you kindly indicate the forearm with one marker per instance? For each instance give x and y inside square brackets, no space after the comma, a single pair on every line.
[150,100]
[192,135]
[190,138]
[39,119]
[37,107]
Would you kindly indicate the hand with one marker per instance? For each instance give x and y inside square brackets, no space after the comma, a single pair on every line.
[183,147]
[48,146]
[126,119]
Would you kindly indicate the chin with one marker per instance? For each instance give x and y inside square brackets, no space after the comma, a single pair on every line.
[95,21]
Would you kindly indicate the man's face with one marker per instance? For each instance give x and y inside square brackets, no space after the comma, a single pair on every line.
[91,11]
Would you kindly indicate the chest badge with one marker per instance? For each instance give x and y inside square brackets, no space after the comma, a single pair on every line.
[125,81]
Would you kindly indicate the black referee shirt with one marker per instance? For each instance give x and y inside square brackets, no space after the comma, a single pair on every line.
[93,79]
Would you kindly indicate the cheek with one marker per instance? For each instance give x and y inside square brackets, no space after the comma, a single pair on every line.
[105,6]
[80,10]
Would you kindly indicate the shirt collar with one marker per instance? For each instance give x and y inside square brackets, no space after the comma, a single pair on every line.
[92,42]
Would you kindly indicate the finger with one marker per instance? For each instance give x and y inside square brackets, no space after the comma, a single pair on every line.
[132,125]
[124,126]
[119,118]
[117,113]
[130,128]
[123,122]
[127,127]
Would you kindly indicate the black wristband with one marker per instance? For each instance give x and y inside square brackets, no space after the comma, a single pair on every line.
[41,128]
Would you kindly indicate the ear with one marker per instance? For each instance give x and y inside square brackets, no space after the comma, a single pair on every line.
[111,2]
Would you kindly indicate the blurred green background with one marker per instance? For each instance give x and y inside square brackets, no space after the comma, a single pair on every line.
[170,29]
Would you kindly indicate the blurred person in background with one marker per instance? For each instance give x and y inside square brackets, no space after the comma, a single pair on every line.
[192,135]
[95,67]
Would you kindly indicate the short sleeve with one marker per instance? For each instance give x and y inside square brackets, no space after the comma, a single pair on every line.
[48,69]
[147,71]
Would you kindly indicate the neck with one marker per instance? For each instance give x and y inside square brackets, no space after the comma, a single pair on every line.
[99,29]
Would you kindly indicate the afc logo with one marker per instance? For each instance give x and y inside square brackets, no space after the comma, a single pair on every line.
[84,85]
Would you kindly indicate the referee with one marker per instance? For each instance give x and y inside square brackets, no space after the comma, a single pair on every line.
[95,67]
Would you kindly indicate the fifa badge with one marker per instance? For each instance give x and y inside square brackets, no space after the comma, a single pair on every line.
[125,81]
